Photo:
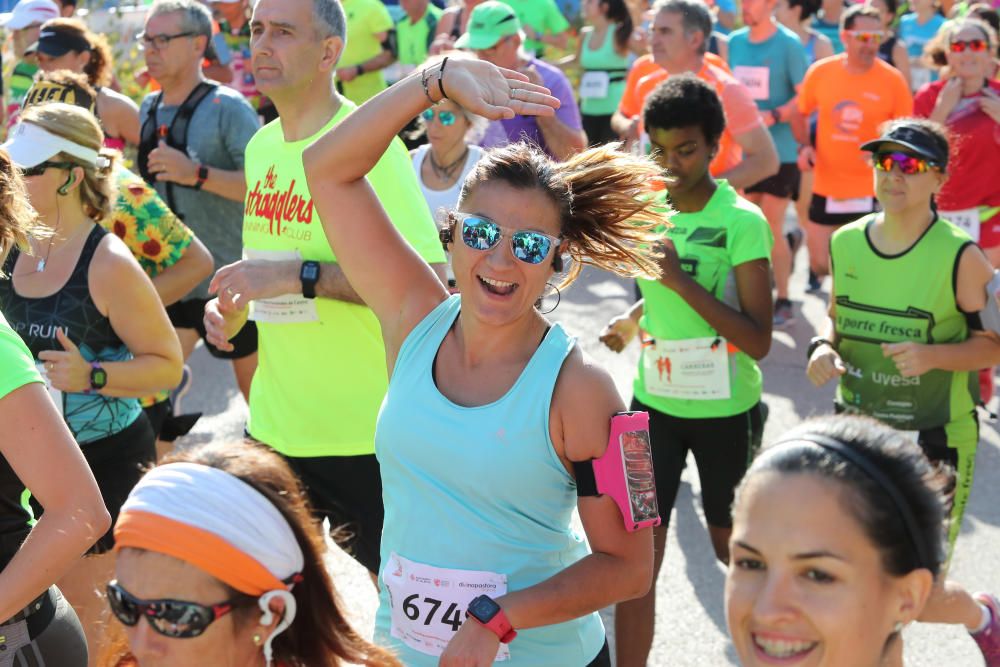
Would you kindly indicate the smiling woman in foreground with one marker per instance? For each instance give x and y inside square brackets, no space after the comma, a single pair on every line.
[489,404]
[838,533]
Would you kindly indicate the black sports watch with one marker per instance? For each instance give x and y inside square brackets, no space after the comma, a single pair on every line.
[98,376]
[309,276]
[202,177]
[816,343]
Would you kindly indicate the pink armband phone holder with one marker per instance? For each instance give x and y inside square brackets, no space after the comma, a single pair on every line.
[624,472]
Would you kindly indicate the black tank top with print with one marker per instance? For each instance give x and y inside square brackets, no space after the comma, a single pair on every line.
[89,416]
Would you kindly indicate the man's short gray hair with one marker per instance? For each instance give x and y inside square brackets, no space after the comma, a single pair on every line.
[195,17]
[695,15]
[330,20]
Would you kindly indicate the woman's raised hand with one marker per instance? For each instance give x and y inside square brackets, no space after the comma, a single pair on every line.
[494,92]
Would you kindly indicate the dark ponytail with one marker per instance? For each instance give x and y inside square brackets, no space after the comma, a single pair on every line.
[617,13]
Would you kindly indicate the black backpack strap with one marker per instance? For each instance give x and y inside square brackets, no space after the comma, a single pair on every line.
[178,132]
[148,140]
[175,135]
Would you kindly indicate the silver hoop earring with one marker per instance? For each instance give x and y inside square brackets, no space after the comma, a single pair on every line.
[538,304]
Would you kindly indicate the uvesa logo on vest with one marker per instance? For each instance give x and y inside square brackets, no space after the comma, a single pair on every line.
[279,212]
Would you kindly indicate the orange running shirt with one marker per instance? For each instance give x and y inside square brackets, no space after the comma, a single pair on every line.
[738,106]
[631,103]
[851,108]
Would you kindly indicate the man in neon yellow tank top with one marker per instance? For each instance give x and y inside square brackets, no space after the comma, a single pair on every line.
[322,372]
[365,55]
[904,338]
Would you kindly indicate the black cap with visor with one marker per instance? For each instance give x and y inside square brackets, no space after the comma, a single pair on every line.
[916,138]
[55,42]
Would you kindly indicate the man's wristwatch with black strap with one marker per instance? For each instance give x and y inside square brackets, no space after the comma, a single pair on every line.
[309,276]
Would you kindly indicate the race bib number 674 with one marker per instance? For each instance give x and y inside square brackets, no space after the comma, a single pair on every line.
[428,603]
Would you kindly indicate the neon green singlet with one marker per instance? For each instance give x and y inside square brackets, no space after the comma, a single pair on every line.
[321,373]
[728,232]
[891,299]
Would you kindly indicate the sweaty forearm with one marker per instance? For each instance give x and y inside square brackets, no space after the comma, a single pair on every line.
[734,325]
[57,541]
[141,376]
[594,582]
[620,123]
[177,280]
[228,184]
[981,350]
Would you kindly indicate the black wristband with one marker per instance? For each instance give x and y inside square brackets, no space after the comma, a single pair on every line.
[815,343]
[360,69]
[444,95]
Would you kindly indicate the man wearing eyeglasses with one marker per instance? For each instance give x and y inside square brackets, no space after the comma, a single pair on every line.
[322,373]
[854,93]
[192,142]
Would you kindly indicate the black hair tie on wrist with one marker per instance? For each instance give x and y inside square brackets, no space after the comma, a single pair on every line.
[444,95]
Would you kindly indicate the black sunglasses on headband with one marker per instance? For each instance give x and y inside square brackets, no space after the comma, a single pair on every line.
[177,619]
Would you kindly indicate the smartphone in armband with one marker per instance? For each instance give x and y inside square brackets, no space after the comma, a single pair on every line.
[624,472]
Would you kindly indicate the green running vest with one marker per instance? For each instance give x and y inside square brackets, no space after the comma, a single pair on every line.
[892,299]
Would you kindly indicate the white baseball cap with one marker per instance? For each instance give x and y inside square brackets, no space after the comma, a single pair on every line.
[30,145]
[27,12]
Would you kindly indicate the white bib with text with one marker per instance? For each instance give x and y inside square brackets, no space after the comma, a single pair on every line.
[594,84]
[967,220]
[695,368]
[428,603]
[756,79]
[854,205]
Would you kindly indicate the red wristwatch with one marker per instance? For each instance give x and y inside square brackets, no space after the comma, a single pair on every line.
[485,611]
[202,176]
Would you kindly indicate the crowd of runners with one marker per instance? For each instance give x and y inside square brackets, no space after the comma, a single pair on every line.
[368,209]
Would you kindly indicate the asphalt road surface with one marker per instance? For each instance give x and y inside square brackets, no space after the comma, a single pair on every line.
[690,620]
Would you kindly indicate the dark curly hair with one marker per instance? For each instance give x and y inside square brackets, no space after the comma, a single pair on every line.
[685,101]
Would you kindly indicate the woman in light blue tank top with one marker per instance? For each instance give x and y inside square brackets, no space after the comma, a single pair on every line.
[488,403]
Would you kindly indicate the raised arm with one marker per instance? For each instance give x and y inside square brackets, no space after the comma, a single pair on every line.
[403,289]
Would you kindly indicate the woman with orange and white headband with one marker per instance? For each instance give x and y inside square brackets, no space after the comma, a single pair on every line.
[218,553]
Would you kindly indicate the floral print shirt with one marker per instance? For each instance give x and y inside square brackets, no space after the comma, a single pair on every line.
[156,237]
